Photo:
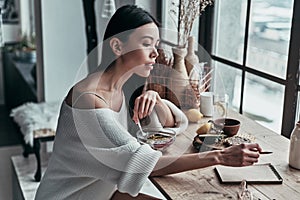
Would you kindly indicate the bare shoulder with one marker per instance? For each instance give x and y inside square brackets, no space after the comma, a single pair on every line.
[85,95]
[85,100]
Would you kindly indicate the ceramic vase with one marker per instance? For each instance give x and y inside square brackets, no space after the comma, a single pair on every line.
[294,156]
[191,58]
[179,77]
[179,63]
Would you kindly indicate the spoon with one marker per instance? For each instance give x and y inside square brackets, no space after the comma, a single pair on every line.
[140,127]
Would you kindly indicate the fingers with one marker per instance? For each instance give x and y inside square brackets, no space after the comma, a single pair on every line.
[241,155]
[151,107]
[249,160]
[144,105]
[254,147]
[251,153]
[146,108]
[135,117]
[141,107]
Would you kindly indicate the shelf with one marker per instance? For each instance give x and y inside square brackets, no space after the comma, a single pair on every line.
[19,83]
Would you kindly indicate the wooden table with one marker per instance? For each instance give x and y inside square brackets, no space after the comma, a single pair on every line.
[204,184]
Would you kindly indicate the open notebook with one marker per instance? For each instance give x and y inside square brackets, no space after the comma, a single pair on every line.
[260,173]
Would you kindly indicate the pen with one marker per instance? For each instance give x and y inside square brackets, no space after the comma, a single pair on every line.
[265,152]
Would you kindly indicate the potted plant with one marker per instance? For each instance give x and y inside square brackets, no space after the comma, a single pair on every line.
[186,13]
[185,59]
[26,49]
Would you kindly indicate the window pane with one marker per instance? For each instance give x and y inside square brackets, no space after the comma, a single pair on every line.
[231,83]
[269,36]
[263,101]
[170,21]
[229,30]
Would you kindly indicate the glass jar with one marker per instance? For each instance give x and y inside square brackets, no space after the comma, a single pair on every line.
[294,157]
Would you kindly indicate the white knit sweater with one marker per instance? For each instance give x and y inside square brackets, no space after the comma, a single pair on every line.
[94,155]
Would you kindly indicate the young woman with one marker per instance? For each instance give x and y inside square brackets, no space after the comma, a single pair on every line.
[96,154]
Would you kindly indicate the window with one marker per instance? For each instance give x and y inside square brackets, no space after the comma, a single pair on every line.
[269,35]
[170,10]
[229,31]
[263,101]
[231,83]
[255,45]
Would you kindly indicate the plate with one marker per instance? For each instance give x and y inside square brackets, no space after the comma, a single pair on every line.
[211,141]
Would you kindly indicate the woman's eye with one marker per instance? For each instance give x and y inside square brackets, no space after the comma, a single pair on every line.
[146,45]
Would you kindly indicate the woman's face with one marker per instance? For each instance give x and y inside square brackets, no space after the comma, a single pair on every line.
[139,51]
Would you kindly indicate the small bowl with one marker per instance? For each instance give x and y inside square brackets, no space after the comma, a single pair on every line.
[231,126]
[158,139]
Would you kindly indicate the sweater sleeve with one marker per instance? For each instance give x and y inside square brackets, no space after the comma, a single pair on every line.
[121,159]
[181,121]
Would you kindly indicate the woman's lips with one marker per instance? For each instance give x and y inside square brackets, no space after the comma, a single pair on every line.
[150,66]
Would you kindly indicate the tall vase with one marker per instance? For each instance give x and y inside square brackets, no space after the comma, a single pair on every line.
[179,78]
[191,59]
[179,64]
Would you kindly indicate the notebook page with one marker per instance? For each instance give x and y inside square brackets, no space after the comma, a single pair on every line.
[254,173]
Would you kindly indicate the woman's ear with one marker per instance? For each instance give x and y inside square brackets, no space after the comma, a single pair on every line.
[116,46]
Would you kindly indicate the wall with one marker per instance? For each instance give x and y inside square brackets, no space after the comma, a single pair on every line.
[64,42]
[63,45]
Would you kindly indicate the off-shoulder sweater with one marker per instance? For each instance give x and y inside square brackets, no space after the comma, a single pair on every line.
[95,154]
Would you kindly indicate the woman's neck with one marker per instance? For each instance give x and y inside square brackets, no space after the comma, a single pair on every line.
[114,78]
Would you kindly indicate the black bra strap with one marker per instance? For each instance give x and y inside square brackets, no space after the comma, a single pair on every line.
[93,94]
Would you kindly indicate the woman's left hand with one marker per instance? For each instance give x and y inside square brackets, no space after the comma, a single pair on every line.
[144,105]
[240,155]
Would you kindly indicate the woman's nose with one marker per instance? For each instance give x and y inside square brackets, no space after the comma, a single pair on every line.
[154,53]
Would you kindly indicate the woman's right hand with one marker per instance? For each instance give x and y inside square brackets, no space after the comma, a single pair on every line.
[240,155]
[144,104]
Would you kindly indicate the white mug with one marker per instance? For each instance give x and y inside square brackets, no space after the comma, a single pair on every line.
[206,103]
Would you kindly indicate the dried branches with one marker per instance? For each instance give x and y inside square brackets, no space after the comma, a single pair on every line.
[189,10]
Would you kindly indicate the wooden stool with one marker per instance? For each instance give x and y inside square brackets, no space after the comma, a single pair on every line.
[41,135]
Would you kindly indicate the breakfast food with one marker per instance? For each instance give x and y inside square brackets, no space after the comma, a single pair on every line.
[236,140]
[194,115]
[158,140]
[220,141]
[158,136]
[204,128]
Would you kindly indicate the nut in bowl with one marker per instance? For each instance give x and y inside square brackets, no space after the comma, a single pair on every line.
[158,139]
[230,126]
